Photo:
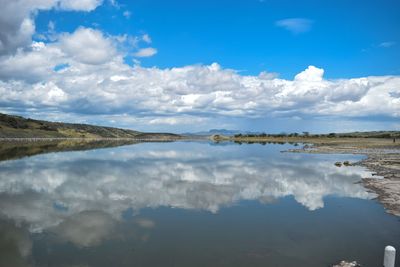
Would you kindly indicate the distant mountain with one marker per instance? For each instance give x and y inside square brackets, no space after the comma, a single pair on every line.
[221,132]
[19,127]
[214,131]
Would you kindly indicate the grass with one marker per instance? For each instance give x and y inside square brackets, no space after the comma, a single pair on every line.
[19,127]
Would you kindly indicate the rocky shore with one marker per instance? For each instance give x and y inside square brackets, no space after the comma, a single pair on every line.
[386,165]
[347,264]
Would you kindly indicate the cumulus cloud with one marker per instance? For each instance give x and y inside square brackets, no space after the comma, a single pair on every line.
[97,81]
[87,46]
[174,120]
[295,25]
[16,24]
[311,74]
[82,5]
[32,66]
[94,79]
[17,19]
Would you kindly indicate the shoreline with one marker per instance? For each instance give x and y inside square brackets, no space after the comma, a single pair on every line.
[382,162]
[382,159]
[150,138]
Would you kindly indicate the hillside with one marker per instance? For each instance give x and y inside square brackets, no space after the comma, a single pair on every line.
[19,127]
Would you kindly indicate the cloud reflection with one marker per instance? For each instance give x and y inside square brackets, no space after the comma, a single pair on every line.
[59,190]
[15,245]
[86,229]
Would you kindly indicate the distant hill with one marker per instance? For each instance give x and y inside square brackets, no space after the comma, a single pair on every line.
[19,127]
[221,132]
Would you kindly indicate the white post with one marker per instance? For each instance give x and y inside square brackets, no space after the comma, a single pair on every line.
[389,257]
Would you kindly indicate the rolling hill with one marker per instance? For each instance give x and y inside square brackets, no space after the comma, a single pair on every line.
[18,127]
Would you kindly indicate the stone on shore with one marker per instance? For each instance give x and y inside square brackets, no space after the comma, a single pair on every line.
[347,264]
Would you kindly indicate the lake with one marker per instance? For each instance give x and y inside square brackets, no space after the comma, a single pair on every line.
[189,204]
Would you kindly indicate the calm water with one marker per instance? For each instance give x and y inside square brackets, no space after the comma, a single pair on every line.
[189,204]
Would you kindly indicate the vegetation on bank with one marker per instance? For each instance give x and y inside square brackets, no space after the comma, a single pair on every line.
[378,139]
[306,136]
[19,127]
[371,134]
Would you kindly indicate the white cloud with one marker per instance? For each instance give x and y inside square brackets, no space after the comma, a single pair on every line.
[84,46]
[311,74]
[81,5]
[17,19]
[88,46]
[16,25]
[146,52]
[146,38]
[174,120]
[32,66]
[97,81]
[295,25]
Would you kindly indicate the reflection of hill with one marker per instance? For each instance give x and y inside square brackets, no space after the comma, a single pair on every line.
[19,149]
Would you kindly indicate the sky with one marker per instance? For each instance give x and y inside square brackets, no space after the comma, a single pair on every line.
[187,66]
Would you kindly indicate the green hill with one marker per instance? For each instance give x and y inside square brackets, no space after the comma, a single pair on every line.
[19,127]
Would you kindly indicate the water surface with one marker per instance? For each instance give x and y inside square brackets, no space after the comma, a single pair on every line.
[189,204]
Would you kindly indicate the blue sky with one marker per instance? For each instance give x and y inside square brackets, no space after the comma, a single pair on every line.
[162,65]
[345,37]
